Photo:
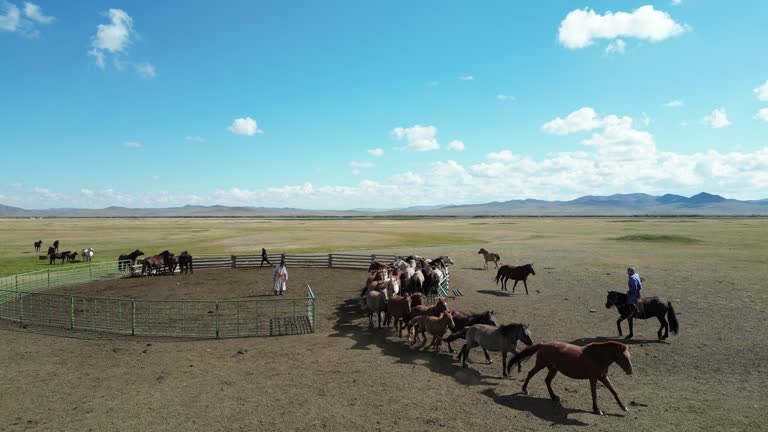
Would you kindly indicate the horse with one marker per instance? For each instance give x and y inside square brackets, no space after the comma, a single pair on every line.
[88,254]
[463,320]
[516,273]
[156,263]
[38,245]
[375,265]
[489,257]
[52,254]
[415,283]
[185,262]
[590,362]
[376,302]
[69,256]
[649,307]
[171,262]
[492,338]
[417,310]
[435,326]
[442,262]
[398,308]
[56,245]
[128,260]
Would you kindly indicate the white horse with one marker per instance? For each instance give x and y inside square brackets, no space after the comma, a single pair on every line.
[88,254]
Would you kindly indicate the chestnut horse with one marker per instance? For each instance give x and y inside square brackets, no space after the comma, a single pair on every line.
[590,362]
[516,273]
[398,307]
[435,326]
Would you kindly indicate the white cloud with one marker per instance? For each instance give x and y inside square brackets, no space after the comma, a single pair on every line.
[406,178]
[467,78]
[194,138]
[354,164]
[112,38]
[677,2]
[503,97]
[581,27]
[376,152]
[616,47]
[356,172]
[456,145]
[33,12]
[762,115]
[47,194]
[23,21]
[87,193]
[502,156]
[244,126]
[133,144]
[145,70]
[580,120]
[677,103]
[718,119]
[419,138]
[761,92]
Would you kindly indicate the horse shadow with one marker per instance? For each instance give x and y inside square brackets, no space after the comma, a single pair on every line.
[475,268]
[543,408]
[348,315]
[585,341]
[496,293]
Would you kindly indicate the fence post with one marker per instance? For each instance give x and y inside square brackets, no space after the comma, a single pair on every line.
[330,260]
[133,317]
[71,312]
[21,309]
[49,279]
[234,261]
[17,283]
[217,320]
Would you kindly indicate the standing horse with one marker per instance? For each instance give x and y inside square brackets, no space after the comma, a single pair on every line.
[492,338]
[38,245]
[516,273]
[128,260]
[489,257]
[52,255]
[171,262]
[590,362]
[463,320]
[185,262]
[70,256]
[56,245]
[88,254]
[650,307]
[376,302]
[156,263]
[398,309]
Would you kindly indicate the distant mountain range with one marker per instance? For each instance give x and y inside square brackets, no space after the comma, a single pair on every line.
[638,204]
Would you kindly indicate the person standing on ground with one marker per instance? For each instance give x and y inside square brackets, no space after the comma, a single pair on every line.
[281,277]
[264,258]
[635,284]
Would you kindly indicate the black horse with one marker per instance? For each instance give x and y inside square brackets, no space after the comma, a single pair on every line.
[462,320]
[127,261]
[185,262]
[516,273]
[52,255]
[650,307]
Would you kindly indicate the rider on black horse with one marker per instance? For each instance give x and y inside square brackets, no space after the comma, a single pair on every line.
[633,294]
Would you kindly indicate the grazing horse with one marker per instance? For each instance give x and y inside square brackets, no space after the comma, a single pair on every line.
[128,260]
[38,245]
[185,262]
[398,308]
[649,307]
[590,362]
[88,254]
[516,273]
[463,319]
[435,326]
[492,338]
[489,257]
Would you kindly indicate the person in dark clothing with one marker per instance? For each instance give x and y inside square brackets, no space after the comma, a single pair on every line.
[264,258]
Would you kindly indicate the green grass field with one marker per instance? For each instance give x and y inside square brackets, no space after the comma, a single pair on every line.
[711,241]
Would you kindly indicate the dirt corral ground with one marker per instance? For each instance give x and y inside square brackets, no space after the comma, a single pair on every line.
[347,376]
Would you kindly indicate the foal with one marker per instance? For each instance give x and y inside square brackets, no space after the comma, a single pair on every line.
[489,257]
[434,326]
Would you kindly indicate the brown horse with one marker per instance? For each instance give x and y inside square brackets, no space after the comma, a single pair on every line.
[375,265]
[156,263]
[435,310]
[56,245]
[185,262]
[590,362]
[398,308]
[489,257]
[38,245]
[516,273]
[435,326]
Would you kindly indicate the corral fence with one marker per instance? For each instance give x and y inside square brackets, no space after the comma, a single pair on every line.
[25,299]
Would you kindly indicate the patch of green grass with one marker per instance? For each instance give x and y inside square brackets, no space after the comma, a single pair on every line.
[660,238]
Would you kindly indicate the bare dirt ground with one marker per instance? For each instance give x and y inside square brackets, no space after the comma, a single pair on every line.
[348,376]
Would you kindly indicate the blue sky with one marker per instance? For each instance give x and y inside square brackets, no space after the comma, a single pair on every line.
[359,104]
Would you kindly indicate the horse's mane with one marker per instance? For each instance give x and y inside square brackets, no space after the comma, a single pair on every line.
[506,329]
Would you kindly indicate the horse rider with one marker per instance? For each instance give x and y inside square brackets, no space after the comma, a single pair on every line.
[635,284]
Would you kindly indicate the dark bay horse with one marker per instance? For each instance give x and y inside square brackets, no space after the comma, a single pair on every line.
[56,245]
[516,273]
[38,245]
[650,307]
[52,255]
[590,362]
[185,262]
[128,260]
[462,320]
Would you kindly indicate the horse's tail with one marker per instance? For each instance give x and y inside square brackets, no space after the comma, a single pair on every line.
[498,276]
[673,324]
[456,335]
[523,355]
